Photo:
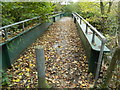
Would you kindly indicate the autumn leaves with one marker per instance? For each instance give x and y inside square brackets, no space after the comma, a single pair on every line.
[66,64]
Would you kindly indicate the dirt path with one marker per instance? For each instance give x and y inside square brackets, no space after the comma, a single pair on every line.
[66,64]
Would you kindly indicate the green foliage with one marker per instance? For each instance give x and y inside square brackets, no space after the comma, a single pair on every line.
[112,23]
[57,7]
[5,78]
[106,23]
[92,13]
[72,7]
[17,11]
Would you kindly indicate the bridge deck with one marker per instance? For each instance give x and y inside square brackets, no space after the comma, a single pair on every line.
[66,64]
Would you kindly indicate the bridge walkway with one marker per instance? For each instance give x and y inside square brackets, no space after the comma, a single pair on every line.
[66,64]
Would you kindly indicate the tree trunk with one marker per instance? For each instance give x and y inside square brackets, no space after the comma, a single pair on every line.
[119,23]
[111,67]
[102,18]
[115,57]
[109,8]
[102,7]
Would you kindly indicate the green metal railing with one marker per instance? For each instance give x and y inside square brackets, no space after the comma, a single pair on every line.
[93,42]
[11,49]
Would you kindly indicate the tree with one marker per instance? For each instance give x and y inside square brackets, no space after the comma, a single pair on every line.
[111,68]
[72,7]
[16,11]
[119,23]
[104,13]
[58,6]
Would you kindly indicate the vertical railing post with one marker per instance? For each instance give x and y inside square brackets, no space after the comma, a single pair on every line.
[86,28]
[39,20]
[77,18]
[99,62]
[23,25]
[74,19]
[60,15]
[1,68]
[1,77]
[54,19]
[72,15]
[93,38]
[6,33]
[80,20]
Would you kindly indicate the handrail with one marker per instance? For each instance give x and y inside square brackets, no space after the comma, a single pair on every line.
[102,38]
[18,22]
[7,26]
[92,28]
[24,21]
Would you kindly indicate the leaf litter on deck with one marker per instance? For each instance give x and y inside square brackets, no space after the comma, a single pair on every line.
[66,63]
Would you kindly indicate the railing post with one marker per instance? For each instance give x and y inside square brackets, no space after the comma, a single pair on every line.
[40,63]
[39,20]
[99,62]
[77,17]
[53,19]
[60,15]
[74,19]
[86,28]
[1,77]
[23,25]
[93,38]
[6,33]
[80,20]
[72,15]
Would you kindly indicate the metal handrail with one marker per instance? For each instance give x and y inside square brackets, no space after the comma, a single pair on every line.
[23,22]
[92,28]
[18,23]
[102,38]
